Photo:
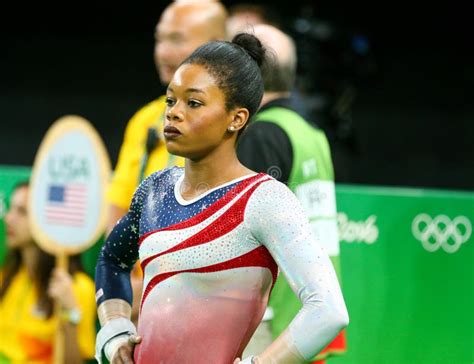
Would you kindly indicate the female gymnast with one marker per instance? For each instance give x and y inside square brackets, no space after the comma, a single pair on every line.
[212,236]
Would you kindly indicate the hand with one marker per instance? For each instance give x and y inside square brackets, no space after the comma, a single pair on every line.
[124,353]
[60,288]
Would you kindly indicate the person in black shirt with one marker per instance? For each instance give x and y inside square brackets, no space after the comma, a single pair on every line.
[264,146]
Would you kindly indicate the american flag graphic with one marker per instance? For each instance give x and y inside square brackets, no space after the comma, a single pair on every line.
[66,204]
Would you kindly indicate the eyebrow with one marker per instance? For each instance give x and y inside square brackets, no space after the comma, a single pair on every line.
[188,90]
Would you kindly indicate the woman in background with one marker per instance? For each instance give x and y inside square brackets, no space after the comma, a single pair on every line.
[29,286]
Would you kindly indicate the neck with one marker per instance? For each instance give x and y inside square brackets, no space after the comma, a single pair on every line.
[217,168]
[270,96]
[29,258]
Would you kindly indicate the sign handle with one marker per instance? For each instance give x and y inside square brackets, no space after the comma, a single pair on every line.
[59,343]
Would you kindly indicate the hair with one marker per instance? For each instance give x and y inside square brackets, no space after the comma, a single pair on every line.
[235,66]
[44,266]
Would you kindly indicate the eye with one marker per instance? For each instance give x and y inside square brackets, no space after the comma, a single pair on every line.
[170,101]
[194,103]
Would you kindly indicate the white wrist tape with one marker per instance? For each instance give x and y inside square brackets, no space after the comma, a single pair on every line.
[110,330]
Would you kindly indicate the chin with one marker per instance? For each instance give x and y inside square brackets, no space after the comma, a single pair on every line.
[172,149]
[193,154]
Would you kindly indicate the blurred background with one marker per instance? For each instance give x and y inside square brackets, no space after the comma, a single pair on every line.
[392,83]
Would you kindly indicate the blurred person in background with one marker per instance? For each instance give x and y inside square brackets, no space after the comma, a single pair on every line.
[243,16]
[282,143]
[30,284]
[183,26]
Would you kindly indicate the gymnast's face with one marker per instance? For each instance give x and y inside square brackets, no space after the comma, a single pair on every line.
[196,117]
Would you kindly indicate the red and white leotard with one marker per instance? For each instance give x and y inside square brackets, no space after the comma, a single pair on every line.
[209,265]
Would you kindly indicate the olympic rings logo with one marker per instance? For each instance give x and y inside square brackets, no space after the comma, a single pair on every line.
[441,232]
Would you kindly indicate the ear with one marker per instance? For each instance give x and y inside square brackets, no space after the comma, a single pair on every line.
[239,118]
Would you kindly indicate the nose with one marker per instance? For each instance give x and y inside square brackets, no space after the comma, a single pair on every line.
[173,113]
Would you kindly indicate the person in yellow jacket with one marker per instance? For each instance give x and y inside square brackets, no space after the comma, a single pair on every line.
[29,285]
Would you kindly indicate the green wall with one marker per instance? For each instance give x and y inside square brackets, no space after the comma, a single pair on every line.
[407,304]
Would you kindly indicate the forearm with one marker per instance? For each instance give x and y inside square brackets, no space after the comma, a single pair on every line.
[304,338]
[282,350]
[114,299]
[113,289]
[72,352]
[322,316]
[114,316]
[113,309]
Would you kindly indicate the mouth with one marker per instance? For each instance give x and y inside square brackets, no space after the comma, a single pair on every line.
[170,132]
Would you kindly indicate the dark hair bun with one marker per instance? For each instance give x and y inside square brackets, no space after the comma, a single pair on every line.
[252,45]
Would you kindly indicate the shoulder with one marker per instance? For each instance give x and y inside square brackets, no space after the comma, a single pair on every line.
[271,184]
[159,180]
[270,193]
[165,176]
[272,209]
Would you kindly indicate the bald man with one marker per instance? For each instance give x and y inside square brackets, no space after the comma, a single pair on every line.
[280,142]
[183,26]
